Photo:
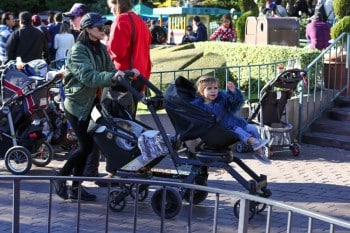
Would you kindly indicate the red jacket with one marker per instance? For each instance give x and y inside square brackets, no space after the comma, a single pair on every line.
[122,47]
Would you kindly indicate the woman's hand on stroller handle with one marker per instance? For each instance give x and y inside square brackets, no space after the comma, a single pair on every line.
[127,74]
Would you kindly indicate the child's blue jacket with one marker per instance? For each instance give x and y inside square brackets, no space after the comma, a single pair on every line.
[225,108]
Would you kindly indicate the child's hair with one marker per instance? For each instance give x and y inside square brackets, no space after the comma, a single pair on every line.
[227,17]
[205,81]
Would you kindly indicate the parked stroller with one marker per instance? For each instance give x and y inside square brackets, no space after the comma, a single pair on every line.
[190,123]
[270,113]
[21,140]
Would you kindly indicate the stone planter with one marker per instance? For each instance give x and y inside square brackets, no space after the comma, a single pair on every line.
[335,74]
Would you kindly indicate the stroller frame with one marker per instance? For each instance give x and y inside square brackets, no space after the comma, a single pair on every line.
[271,110]
[18,158]
[198,163]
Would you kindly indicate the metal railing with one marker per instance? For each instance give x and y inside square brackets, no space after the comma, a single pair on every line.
[243,75]
[323,86]
[328,78]
[275,209]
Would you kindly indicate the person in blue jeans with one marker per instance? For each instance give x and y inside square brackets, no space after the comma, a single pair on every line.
[224,105]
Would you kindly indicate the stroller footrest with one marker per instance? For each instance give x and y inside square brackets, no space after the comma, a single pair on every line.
[214,156]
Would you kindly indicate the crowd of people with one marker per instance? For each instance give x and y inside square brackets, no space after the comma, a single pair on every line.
[97,50]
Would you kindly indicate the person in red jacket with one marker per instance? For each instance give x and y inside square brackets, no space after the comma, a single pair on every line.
[129,42]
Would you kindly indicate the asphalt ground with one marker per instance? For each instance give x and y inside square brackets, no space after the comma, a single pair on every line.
[316,180]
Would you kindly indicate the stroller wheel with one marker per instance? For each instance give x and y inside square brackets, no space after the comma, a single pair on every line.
[198,195]
[143,191]
[117,201]
[172,205]
[44,155]
[260,207]
[18,160]
[252,209]
[295,148]
[240,147]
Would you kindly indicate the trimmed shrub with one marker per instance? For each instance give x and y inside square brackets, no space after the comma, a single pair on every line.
[343,25]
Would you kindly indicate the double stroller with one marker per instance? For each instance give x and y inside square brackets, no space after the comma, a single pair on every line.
[127,157]
[22,142]
[270,114]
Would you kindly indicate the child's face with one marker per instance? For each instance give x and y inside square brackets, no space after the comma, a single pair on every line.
[211,92]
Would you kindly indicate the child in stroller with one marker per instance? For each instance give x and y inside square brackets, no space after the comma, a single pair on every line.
[224,105]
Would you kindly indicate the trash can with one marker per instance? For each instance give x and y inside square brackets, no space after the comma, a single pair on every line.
[278,31]
[250,30]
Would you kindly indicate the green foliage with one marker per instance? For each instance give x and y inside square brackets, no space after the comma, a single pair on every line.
[247,5]
[218,55]
[341,8]
[303,21]
[342,25]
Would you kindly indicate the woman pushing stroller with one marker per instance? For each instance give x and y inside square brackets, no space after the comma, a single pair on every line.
[224,105]
[88,68]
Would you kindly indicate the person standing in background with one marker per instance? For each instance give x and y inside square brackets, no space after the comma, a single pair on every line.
[226,31]
[36,21]
[63,42]
[201,33]
[129,42]
[54,30]
[7,23]
[317,32]
[75,14]
[27,42]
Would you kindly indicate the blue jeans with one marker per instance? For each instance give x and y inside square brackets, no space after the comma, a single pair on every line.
[249,131]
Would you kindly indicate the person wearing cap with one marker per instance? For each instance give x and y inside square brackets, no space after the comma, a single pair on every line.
[27,42]
[75,15]
[317,32]
[201,33]
[129,42]
[88,68]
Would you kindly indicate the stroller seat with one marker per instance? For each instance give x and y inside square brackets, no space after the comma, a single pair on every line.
[215,146]
[271,116]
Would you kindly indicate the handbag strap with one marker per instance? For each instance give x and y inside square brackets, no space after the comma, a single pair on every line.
[132,41]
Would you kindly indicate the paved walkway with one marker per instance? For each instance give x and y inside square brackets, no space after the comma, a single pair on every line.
[317,180]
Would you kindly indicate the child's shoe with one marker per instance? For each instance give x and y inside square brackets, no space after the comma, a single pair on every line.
[262,158]
[258,143]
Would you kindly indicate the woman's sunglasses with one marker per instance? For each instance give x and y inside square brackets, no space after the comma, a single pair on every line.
[101,28]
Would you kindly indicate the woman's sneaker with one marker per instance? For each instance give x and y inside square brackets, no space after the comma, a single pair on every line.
[60,188]
[258,143]
[85,196]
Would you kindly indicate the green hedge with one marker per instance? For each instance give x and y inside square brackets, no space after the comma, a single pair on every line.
[222,54]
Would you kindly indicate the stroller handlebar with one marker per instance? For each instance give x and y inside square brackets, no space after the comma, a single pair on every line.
[126,83]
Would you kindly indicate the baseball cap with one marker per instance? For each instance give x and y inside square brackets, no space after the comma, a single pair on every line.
[78,9]
[92,20]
